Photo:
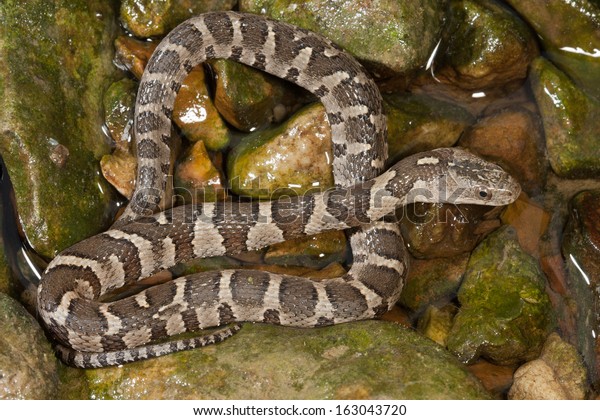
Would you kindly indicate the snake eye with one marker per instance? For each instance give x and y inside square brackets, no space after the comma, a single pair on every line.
[485,194]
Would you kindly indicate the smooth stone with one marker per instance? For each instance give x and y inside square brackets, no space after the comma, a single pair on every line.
[315,251]
[119,169]
[433,281]
[436,323]
[197,179]
[505,314]
[417,123]
[133,54]
[495,379]
[119,102]
[272,163]
[196,115]
[28,368]
[148,18]
[389,37]
[570,34]
[581,251]
[571,122]
[513,138]
[445,230]
[250,99]
[530,221]
[558,374]
[57,63]
[363,360]
[485,47]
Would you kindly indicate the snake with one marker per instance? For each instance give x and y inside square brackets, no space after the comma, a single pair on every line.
[90,332]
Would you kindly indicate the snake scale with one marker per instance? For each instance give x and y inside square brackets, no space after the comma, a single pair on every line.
[93,333]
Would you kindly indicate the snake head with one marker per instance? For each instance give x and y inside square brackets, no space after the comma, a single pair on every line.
[452,175]
[481,182]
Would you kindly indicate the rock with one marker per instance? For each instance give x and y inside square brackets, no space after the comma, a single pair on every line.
[485,47]
[57,63]
[196,115]
[316,251]
[530,222]
[512,138]
[433,281]
[435,323]
[571,122]
[370,359]
[417,123]
[146,18]
[505,313]
[495,379]
[196,177]
[272,163]
[119,102]
[445,230]
[558,374]
[133,54]
[570,34]
[250,99]
[119,169]
[581,250]
[389,37]
[28,368]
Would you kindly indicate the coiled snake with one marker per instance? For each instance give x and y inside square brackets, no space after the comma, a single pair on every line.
[92,333]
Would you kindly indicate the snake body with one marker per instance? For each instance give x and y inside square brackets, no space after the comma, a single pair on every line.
[92,333]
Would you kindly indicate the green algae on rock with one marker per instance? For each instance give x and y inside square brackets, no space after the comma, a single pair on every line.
[119,102]
[57,63]
[570,34]
[580,248]
[248,98]
[506,314]
[390,38]
[28,368]
[558,374]
[273,162]
[417,123]
[436,323]
[147,18]
[485,47]
[316,251]
[571,121]
[433,281]
[365,360]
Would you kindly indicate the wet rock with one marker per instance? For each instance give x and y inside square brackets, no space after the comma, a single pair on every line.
[571,122]
[196,177]
[417,123]
[581,251]
[512,138]
[196,115]
[570,34]
[119,103]
[315,251]
[558,374]
[445,230]
[505,313]
[371,359]
[389,37]
[486,47]
[530,222]
[28,368]
[274,162]
[133,54]
[436,323]
[57,63]
[250,99]
[119,169]
[146,18]
[433,281]
[495,379]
